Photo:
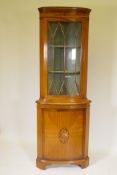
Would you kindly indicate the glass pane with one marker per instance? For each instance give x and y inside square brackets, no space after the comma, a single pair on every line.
[64,50]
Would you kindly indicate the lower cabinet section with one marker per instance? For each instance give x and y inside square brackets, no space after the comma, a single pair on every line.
[63,134]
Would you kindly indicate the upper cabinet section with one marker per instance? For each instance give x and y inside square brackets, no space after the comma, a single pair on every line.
[63,52]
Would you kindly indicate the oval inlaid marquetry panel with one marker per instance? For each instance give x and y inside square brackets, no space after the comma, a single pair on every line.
[63,135]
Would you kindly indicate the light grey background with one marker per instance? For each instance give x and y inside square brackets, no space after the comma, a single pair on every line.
[19,85]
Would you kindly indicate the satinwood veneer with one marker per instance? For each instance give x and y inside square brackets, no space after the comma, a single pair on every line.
[63,107]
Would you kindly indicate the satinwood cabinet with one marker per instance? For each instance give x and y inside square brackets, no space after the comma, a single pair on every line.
[63,107]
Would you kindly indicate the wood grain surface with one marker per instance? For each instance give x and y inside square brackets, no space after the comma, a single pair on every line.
[62,121]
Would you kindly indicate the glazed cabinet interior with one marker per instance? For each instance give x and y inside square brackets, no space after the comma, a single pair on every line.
[64,52]
[63,107]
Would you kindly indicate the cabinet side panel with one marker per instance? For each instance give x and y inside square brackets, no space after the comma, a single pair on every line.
[85,26]
[39,132]
[86,132]
[43,58]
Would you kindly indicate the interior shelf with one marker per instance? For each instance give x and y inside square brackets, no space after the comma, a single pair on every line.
[66,46]
[62,72]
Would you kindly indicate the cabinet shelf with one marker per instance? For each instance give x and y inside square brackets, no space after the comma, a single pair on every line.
[62,72]
[65,46]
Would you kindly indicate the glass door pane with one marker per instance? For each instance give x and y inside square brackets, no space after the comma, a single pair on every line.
[64,50]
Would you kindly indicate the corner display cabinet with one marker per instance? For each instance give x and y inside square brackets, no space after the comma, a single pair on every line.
[63,108]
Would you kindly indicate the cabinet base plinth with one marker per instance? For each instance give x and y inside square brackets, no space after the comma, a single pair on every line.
[83,163]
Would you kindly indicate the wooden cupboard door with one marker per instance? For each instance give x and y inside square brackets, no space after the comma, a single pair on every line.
[63,134]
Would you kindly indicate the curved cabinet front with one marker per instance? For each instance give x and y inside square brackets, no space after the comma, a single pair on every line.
[62,134]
